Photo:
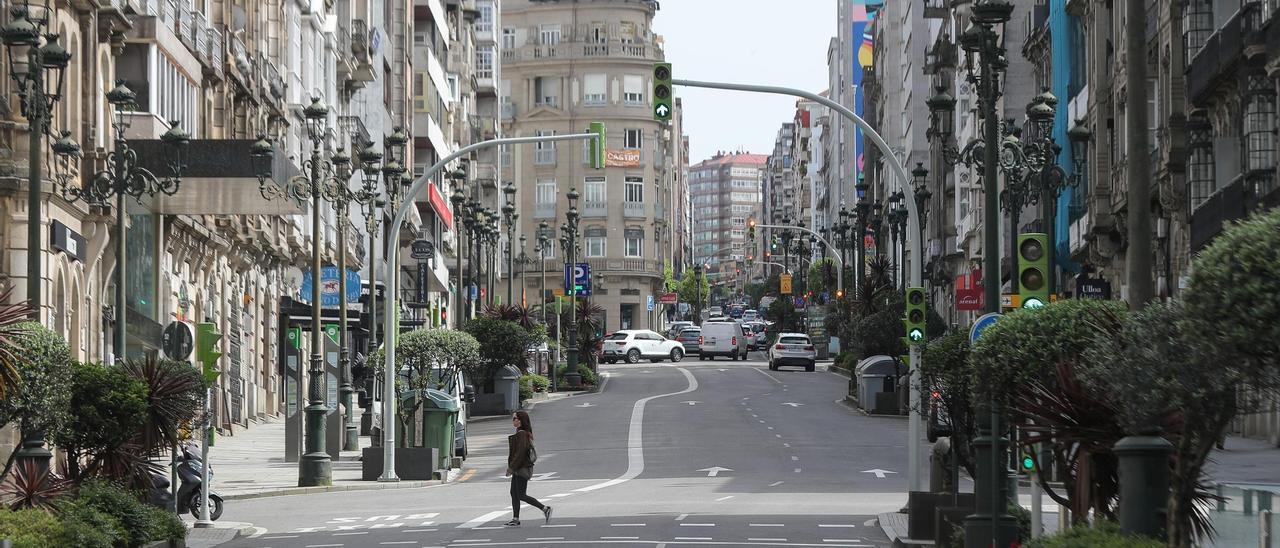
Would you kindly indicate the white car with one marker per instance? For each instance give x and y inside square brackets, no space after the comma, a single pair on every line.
[633,344]
[792,349]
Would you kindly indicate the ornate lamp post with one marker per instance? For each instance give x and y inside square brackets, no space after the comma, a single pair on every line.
[920,182]
[571,222]
[31,53]
[523,260]
[862,217]
[458,199]
[544,243]
[327,178]
[509,217]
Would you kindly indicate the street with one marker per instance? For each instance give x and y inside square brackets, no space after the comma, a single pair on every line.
[714,453]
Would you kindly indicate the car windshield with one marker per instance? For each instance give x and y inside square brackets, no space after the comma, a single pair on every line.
[793,340]
[757,328]
[617,337]
[691,333]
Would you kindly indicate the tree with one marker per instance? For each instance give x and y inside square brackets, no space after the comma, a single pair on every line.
[175,396]
[694,290]
[822,276]
[108,410]
[505,343]
[427,359]
[42,361]
[945,369]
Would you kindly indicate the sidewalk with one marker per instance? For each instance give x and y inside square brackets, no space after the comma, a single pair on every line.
[1245,461]
[250,464]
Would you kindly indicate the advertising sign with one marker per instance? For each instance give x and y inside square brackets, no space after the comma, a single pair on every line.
[621,158]
[329,283]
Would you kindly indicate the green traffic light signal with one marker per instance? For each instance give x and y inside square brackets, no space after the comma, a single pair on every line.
[914,320]
[1033,268]
[207,337]
[1028,463]
[662,96]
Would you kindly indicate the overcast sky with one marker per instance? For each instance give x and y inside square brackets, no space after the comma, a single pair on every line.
[744,41]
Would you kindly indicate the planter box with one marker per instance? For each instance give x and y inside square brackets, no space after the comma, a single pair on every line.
[412,463]
[923,508]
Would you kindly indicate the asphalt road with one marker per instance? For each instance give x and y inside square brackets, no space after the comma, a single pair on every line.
[715,453]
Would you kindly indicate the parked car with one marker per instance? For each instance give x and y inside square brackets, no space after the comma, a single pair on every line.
[690,338]
[723,338]
[676,327]
[792,349]
[633,344]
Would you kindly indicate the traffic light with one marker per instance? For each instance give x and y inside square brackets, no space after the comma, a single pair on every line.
[662,91]
[914,322]
[208,350]
[1027,464]
[839,293]
[1033,268]
[596,146]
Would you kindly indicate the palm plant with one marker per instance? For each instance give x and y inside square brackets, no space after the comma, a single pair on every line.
[11,315]
[523,315]
[33,486]
[175,394]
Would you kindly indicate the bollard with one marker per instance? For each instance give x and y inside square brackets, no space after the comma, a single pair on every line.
[939,467]
[1264,529]
[1144,483]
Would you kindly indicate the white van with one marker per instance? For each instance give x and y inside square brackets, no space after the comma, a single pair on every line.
[723,339]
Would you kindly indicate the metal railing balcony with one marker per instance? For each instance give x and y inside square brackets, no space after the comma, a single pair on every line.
[544,211]
[544,157]
[595,209]
[360,39]
[633,209]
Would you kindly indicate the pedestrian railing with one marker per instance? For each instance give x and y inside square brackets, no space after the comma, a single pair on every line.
[1246,516]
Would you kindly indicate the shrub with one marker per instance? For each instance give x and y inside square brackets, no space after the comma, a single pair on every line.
[588,376]
[505,343]
[43,364]
[139,523]
[31,528]
[1105,534]
[538,383]
[88,527]
[108,409]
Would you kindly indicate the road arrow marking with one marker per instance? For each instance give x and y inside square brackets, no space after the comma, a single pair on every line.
[542,476]
[588,404]
[691,402]
[714,471]
[793,404]
[726,370]
[878,472]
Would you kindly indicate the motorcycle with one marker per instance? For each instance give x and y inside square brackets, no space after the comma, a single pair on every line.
[188,498]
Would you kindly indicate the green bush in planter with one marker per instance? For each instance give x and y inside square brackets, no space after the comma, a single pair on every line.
[139,522]
[1102,535]
[30,528]
[87,527]
[588,376]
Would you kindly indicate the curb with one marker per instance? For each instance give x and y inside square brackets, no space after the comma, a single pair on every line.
[363,486]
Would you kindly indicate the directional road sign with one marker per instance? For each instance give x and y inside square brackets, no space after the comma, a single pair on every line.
[581,279]
[984,321]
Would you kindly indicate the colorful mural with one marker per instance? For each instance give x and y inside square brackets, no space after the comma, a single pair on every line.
[863,16]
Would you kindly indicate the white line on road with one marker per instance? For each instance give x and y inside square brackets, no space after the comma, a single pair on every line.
[619,538]
[775,484]
[793,457]
[786,445]
[273,537]
[693,538]
[770,427]
[635,437]
[539,538]
[765,373]
[777,435]
[761,421]
[483,519]
[557,495]
[697,525]
[681,517]
[468,539]
[797,470]
[765,525]
[839,540]
[626,525]
[722,499]
[556,526]
[835,525]
[397,541]
[351,533]
[766,539]
[323,545]
[417,530]
[753,415]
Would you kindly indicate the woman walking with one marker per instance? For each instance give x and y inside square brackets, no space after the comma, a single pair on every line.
[520,458]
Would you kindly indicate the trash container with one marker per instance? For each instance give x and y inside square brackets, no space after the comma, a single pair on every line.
[876,375]
[507,383]
[439,414]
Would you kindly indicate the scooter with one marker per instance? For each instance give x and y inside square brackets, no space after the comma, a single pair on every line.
[189,499]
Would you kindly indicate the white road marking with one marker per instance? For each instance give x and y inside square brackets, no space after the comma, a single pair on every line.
[476,522]
[697,525]
[753,415]
[257,532]
[775,484]
[870,523]
[761,421]
[417,530]
[793,404]
[635,437]
[541,538]
[323,545]
[797,470]
[558,526]
[722,499]
[693,538]
[839,540]
[765,525]
[786,445]
[714,471]
[619,538]
[836,525]
[351,533]
[626,525]
[558,495]
[398,541]
[793,457]
[878,472]
[777,435]
[765,373]
[691,402]
[470,539]
[766,539]
[681,517]
[769,427]
[586,404]
[273,537]
[493,528]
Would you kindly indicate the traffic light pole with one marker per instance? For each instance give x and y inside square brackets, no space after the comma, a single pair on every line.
[839,264]
[391,329]
[915,424]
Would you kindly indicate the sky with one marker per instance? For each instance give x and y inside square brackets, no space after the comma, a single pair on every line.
[776,42]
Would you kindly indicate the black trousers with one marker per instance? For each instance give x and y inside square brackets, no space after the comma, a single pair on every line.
[518,487]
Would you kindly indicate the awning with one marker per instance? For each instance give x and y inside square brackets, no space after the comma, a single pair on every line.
[439,206]
[219,179]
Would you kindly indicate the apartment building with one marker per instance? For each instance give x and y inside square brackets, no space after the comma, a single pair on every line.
[726,192]
[565,65]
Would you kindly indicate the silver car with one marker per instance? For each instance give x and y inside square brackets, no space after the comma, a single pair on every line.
[792,349]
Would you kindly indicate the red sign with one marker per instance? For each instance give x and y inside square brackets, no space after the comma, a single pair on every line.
[969,294]
[668,298]
[439,206]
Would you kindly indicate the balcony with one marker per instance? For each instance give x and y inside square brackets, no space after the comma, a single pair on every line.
[634,210]
[936,9]
[360,40]
[486,174]
[213,39]
[595,209]
[508,110]
[544,157]
[1221,53]
[544,211]
[1230,203]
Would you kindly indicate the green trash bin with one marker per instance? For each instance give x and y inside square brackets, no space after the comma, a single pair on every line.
[439,415]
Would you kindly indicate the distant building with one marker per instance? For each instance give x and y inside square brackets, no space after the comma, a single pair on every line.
[726,192]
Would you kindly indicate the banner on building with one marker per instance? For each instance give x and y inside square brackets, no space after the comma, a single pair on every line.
[621,158]
[969,294]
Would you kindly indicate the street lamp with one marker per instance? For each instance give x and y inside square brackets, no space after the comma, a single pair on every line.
[544,243]
[524,259]
[982,41]
[458,199]
[572,377]
[30,53]
[509,217]
[326,181]
[862,211]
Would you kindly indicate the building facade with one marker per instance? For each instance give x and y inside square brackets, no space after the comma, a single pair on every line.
[726,193]
[565,65]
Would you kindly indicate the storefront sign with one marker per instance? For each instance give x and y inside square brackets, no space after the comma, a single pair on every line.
[1093,288]
[969,292]
[67,240]
[621,158]
[669,298]
[439,205]
[329,285]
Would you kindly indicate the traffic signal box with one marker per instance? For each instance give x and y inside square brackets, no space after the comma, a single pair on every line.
[914,319]
[207,350]
[1033,269]
[596,146]
[662,91]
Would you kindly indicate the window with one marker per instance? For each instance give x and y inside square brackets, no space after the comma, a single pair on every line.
[595,246]
[599,33]
[594,190]
[544,153]
[634,241]
[420,91]
[549,35]
[484,62]
[628,32]
[485,23]
[593,91]
[634,189]
[546,91]
[1153,113]
[633,90]
[632,139]
[508,38]
[1079,61]
[1197,19]
[546,192]
[1260,125]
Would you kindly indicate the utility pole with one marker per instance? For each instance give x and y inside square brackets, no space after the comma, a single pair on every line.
[1138,170]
